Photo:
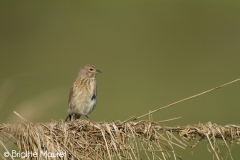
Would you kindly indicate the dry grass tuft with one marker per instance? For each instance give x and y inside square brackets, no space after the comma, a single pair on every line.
[115,140]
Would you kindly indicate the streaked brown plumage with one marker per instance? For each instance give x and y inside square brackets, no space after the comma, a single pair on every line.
[83,93]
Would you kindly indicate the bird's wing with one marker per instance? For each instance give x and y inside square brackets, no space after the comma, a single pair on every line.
[70,97]
[94,96]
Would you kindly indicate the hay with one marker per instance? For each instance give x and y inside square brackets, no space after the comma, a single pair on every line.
[115,140]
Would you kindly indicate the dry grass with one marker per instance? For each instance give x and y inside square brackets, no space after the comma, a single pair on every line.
[115,140]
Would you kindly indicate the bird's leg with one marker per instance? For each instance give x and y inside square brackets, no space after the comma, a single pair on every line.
[73,118]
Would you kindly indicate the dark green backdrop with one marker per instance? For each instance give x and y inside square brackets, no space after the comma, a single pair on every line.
[151,53]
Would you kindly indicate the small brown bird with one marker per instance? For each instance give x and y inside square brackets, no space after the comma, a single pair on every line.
[83,93]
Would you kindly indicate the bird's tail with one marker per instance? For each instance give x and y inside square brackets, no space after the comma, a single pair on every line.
[68,119]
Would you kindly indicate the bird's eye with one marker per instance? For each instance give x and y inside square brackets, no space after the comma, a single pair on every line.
[91,69]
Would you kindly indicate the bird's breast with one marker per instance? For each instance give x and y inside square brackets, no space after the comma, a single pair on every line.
[86,98]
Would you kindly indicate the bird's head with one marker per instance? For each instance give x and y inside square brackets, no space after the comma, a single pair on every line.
[88,71]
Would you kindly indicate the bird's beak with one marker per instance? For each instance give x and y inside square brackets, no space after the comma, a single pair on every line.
[98,71]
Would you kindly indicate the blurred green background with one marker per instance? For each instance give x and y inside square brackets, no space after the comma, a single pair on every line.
[151,53]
